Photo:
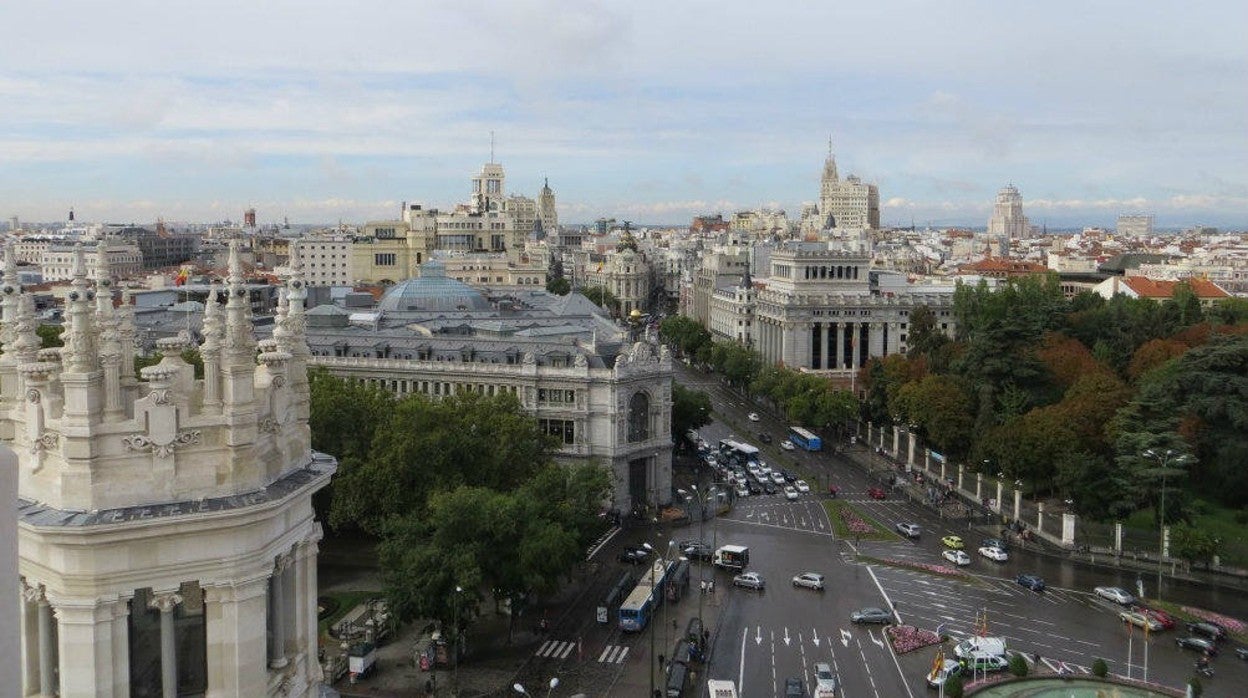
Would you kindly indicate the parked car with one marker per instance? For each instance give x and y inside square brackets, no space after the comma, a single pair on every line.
[790,493]
[1166,620]
[937,676]
[755,488]
[749,580]
[742,490]
[1199,644]
[909,530]
[788,477]
[777,478]
[769,487]
[1139,620]
[1241,652]
[787,445]
[1116,594]
[802,486]
[957,557]
[764,437]
[697,551]
[995,554]
[876,493]
[754,417]
[991,662]
[995,543]
[871,615]
[1030,581]
[633,555]
[810,580]
[1203,628]
[794,688]
[954,542]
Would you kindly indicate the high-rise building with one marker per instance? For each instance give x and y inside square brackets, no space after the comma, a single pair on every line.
[249,218]
[1135,224]
[848,203]
[546,209]
[167,542]
[1008,222]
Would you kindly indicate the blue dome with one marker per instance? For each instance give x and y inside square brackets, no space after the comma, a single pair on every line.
[432,291]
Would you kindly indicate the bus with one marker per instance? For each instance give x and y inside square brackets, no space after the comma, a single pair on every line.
[636,610]
[745,452]
[803,439]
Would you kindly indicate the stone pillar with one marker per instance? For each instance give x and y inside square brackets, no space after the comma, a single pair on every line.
[910,450]
[1018,503]
[305,604]
[943,478]
[856,343]
[1039,517]
[998,506]
[961,471]
[927,460]
[235,618]
[979,487]
[87,635]
[166,603]
[1118,538]
[277,640]
[30,596]
[896,441]
[839,334]
[1068,528]
[121,647]
[870,427]
[47,650]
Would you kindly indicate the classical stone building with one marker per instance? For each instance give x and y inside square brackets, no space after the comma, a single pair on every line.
[166,534]
[849,203]
[1007,222]
[607,399]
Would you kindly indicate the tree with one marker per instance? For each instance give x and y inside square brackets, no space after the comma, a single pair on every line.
[953,687]
[559,286]
[1099,668]
[602,298]
[942,409]
[925,336]
[190,356]
[1018,665]
[50,336]
[691,409]
[684,334]
[1193,544]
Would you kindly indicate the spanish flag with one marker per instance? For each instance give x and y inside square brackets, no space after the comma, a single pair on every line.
[600,265]
[183,274]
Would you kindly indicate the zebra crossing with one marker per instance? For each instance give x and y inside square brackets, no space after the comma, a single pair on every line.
[562,649]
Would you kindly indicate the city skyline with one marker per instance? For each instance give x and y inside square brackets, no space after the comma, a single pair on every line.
[650,113]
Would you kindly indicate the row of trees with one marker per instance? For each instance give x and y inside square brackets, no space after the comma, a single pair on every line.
[462,492]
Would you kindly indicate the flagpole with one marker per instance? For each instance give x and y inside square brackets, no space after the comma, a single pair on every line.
[1130,640]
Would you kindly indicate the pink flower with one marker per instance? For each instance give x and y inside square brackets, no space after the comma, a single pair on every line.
[1231,624]
[907,638]
[855,522]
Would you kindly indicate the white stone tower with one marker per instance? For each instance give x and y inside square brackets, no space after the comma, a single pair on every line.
[1007,222]
[546,209]
[167,544]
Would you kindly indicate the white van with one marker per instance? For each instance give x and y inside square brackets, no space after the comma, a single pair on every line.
[973,647]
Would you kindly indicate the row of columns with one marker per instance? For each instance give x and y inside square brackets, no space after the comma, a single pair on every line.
[77,647]
[835,346]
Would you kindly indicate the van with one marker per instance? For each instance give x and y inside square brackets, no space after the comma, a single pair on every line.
[677,676]
[980,647]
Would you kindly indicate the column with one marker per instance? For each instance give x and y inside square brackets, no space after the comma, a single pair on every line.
[927,460]
[998,506]
[277,603]
[30,637]
[86,632]
[943,478]
[1039,517]
[855,329]
[838,333]
[870,427]
[166,602]
[47,650]
[305,605]
[1018,502]
[896,441]
[235,627]
[910,450]
[961,471]
[979,487]
[121,646]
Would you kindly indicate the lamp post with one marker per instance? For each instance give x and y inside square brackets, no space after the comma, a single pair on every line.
[1164,460]
[455,648]
[660,599]
[519,688]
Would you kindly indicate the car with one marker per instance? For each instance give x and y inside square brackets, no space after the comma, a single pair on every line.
[957,557]
[752,468]
[1166,620]
[794,688]
[777,478]
[754,417]
[1199,644]
[749,580]
[802,486]
[633,555]
[769,487]
[697,551]
[1213,631]
[937,677]
[787,445]
[954,542]
[826,683]
[991,662]
[909,530]
[871,615]
[764,437]
[788,477]
[1115,594]
[755,488]
[763,469]
[810,580]
[1139,620]
[995,554]
[995,543]
[1030,581]
[1241,652]
[876,493]
[742,490]
[790,493]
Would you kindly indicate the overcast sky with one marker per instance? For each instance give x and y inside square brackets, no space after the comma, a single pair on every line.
[649,111]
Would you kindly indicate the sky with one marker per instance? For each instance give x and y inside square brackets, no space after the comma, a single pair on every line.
[647,111]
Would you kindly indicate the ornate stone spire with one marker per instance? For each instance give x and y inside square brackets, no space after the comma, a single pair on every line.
[295,333]
[10,290]
[26,342]
[79,354]
[240,341]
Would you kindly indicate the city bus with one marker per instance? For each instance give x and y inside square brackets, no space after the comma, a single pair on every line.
[805,440]
[636,610]
[744,452]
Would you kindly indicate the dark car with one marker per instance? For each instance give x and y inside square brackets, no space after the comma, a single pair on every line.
[794,688]
[1212,631]
[764,437]
[1199,644]
[1031,581]
[697,551]
[871,615]
[769,488]
[633,556]
[754,487]
[788,477]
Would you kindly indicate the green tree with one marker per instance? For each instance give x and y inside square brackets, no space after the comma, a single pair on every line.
[1194,545]
[1018,665]
[190,356]
[691,409]
[942,408]
[559,286]
[602,298]
[1100,668]
[50,336]
[924,336]
[953,687]
[683,334]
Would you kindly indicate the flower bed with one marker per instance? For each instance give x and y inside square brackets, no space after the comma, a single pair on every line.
[943,570]
[907,638]
[1231,624]
[855,522]
[849,522]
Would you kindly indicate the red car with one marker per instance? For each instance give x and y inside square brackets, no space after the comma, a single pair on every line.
[1165,619]
[876,493]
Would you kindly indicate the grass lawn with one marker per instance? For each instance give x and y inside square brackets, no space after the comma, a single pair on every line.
[1216,519]
[837,510]
[347,600]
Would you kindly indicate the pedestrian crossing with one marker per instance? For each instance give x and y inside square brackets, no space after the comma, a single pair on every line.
[613,654]
[562,649]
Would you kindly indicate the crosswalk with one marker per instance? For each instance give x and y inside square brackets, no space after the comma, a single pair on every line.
[562,649]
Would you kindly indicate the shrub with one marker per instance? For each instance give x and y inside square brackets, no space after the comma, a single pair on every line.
[953,687]
[1018,666]
[1197,687]
[1100,668]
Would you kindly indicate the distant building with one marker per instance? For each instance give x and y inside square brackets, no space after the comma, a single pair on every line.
[998,268]
[1135,225]
[546,209]
[1208,292]
[709,224]
[848,203]
[124,259]
[159,251]
[1007,222]
[326,259]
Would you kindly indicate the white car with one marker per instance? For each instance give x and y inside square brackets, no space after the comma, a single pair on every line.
[994,553]
[810,580]
[826,683]
[754,417]
[909,530]
[787,445]
[743,491]
[957,557]
[802,486]
[790,493]
[777,478]
[1115,594]
[753,469]
[749,580]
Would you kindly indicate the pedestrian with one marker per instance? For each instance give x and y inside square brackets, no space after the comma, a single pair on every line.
[660,661]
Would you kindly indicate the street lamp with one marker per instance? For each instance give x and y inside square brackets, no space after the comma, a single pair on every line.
[455,648]
[1164,460]
[653,590]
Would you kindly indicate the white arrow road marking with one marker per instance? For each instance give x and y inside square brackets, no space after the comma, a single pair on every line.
[814,635]
[878,642]
[758,637]
[786,637]
[845,636]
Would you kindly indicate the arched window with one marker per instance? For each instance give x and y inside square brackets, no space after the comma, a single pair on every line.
[639,417]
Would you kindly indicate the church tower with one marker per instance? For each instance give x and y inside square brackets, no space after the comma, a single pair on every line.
[546,209]
[167,543]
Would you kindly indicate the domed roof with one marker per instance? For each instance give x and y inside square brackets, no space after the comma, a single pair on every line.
[432,290]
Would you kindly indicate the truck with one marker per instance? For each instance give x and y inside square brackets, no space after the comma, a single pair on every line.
[721,689]
[361,660]
[978,647]
[732,557]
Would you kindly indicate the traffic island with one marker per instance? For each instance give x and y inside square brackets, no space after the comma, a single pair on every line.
[851,523]
[1007,686]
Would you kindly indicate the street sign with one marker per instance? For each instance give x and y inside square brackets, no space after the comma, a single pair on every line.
[602,614]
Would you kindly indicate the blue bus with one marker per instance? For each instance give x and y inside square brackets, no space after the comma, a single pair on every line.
[804,439]
[636,610]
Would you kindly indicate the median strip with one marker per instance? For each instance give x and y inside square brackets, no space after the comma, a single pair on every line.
[848,521]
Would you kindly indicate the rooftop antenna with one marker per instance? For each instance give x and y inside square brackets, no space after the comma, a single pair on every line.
[491,147]
[829,144]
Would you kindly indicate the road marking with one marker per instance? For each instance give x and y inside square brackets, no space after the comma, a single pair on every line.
[745,635]
[845,637]
[566,652]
